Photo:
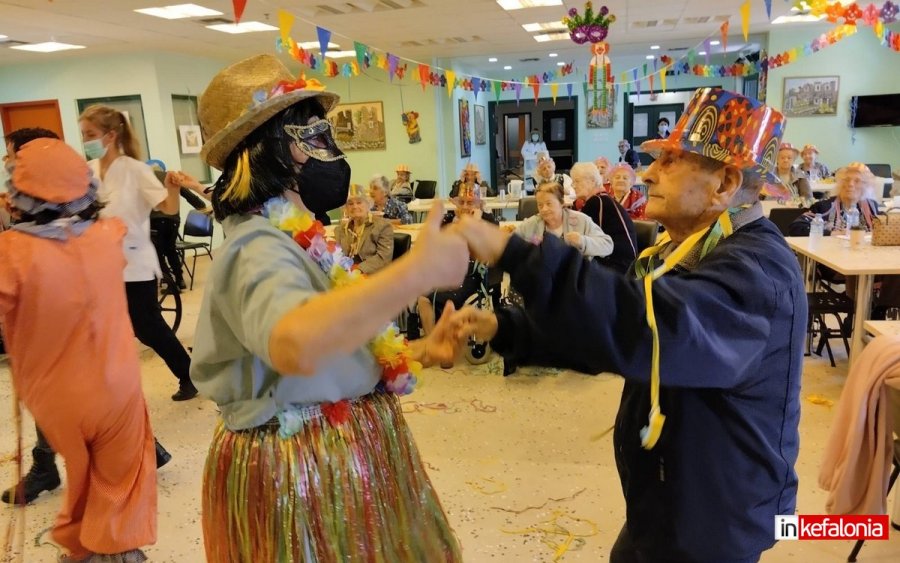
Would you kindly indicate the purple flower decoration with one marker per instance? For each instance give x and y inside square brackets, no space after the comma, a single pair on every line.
[604,10]
[573,12]
[889,12]
[318,248]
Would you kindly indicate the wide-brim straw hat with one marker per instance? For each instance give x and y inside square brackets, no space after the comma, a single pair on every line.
[244,96]
[402,168]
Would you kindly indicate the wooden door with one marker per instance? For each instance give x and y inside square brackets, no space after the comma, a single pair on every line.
[41,113]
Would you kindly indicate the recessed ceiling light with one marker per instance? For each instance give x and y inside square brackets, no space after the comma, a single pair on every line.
[340,54]
[519,4]
[3,37]
[552,55]
[315,45]
[715,42]
[546,26]
[507,67]
[544,37]
[48,47]
[806,18]
[560,63]
[243,27]
[701,52]
[649,57]
[179,11]
[492,60]
[654,47]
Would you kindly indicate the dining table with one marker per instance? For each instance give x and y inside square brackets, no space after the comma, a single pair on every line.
[863,260]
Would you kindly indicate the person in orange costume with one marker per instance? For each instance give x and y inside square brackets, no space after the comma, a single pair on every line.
[72,353]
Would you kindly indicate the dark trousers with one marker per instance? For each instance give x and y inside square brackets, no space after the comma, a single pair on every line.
[165,235]
[42,444]
[624,551]
[151,329]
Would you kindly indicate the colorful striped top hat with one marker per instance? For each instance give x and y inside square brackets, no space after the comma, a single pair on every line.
[730,128]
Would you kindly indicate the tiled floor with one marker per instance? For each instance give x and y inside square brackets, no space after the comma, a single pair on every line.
[521,463]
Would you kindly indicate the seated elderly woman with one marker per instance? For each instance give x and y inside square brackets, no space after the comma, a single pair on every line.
[621,187]
[471,176]
[789,175]
[855,187]
[575,228]
[593,201]
[366,238]
[546,172]
[603,165]
[401,187]
[388,206]
[468,203]
[810,168]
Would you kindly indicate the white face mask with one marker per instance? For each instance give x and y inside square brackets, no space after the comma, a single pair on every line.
[534,138]
[663,129]
[94,149]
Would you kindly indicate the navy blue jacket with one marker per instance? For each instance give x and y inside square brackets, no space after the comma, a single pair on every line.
[731,335]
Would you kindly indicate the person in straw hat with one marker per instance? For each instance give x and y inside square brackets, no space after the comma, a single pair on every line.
[366,238]
[810,166]
[401,187]
[708,332]
[469,177]
[75,362]
[312,459]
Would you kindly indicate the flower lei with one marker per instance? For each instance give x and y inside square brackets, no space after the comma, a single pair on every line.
[389,347]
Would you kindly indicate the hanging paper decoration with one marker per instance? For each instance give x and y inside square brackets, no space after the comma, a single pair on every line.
[536,86]
[362,54]
[768,9]
[852,13]
[393,60]
[707,47]
[554,89]
[451,80]
[497,87]
[651,86]
[593,28]
[662,79]
[724,31]
[637,83]
[239,6]
[889,12]
[745,19]
[411,122]
[518,89]
[285,22]
[324,37]
[476,86]
[569,90]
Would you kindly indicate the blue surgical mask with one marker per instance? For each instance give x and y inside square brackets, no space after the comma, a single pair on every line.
[94,149]
[534,138]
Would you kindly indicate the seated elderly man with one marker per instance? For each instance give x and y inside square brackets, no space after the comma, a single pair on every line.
[366,238]
[628,155]
[576,229]
[469,177]
[810,166]
[708,333]
[546,172]
[468,204]
[385,204]
[401,187]
[593,201]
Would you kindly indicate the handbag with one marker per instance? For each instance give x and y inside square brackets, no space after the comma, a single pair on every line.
[886,229]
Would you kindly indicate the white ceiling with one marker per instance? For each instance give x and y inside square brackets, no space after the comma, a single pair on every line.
[471,30]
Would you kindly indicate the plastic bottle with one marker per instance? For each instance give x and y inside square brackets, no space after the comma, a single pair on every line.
[817,228]
[852,218]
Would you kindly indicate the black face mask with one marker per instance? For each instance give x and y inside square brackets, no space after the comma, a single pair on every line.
[323,186]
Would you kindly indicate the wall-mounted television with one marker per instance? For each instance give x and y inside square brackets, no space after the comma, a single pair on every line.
[882,110]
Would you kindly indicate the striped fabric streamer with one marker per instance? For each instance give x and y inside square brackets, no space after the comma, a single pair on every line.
[348,491]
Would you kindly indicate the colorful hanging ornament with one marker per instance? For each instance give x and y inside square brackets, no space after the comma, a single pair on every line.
[889,12]
[594,28]
[591,27]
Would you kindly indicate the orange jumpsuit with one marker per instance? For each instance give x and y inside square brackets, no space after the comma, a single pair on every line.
[75,367]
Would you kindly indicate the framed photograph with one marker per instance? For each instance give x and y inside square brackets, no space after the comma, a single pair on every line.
[191,139]
[810,96]
[597,119]
[359,126]
[465,135]
[480,125]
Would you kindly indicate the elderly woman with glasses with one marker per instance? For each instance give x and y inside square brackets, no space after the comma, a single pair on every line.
[622,179]
[387,205]
[368,239]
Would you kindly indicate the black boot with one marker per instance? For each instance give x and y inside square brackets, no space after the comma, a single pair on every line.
[186,391]
[162,456]
[42,476]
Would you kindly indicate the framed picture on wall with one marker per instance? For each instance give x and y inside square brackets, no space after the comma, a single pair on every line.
[810,96]
[597,119]
[359,126]
[480,125]
[191,138]
[465,136]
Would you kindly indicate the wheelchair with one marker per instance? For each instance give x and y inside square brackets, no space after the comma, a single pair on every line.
[169,301]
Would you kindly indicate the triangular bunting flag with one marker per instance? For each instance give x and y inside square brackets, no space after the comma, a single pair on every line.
[324,38]
[497,86]
[239,6]
[451,80]
[662,79]
[745,19]
[707,47]
[651,84]
[536,86]
[518,88]
[724,31]
[554,88]
[569,90]
[476,86]
[768,8]
[285,22]
[360,53]
[423,75]
[392,66]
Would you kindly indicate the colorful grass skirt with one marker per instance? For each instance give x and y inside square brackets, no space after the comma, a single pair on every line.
[345,491]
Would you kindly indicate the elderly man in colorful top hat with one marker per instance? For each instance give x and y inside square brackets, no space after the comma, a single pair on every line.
[707,331]
[312,459]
